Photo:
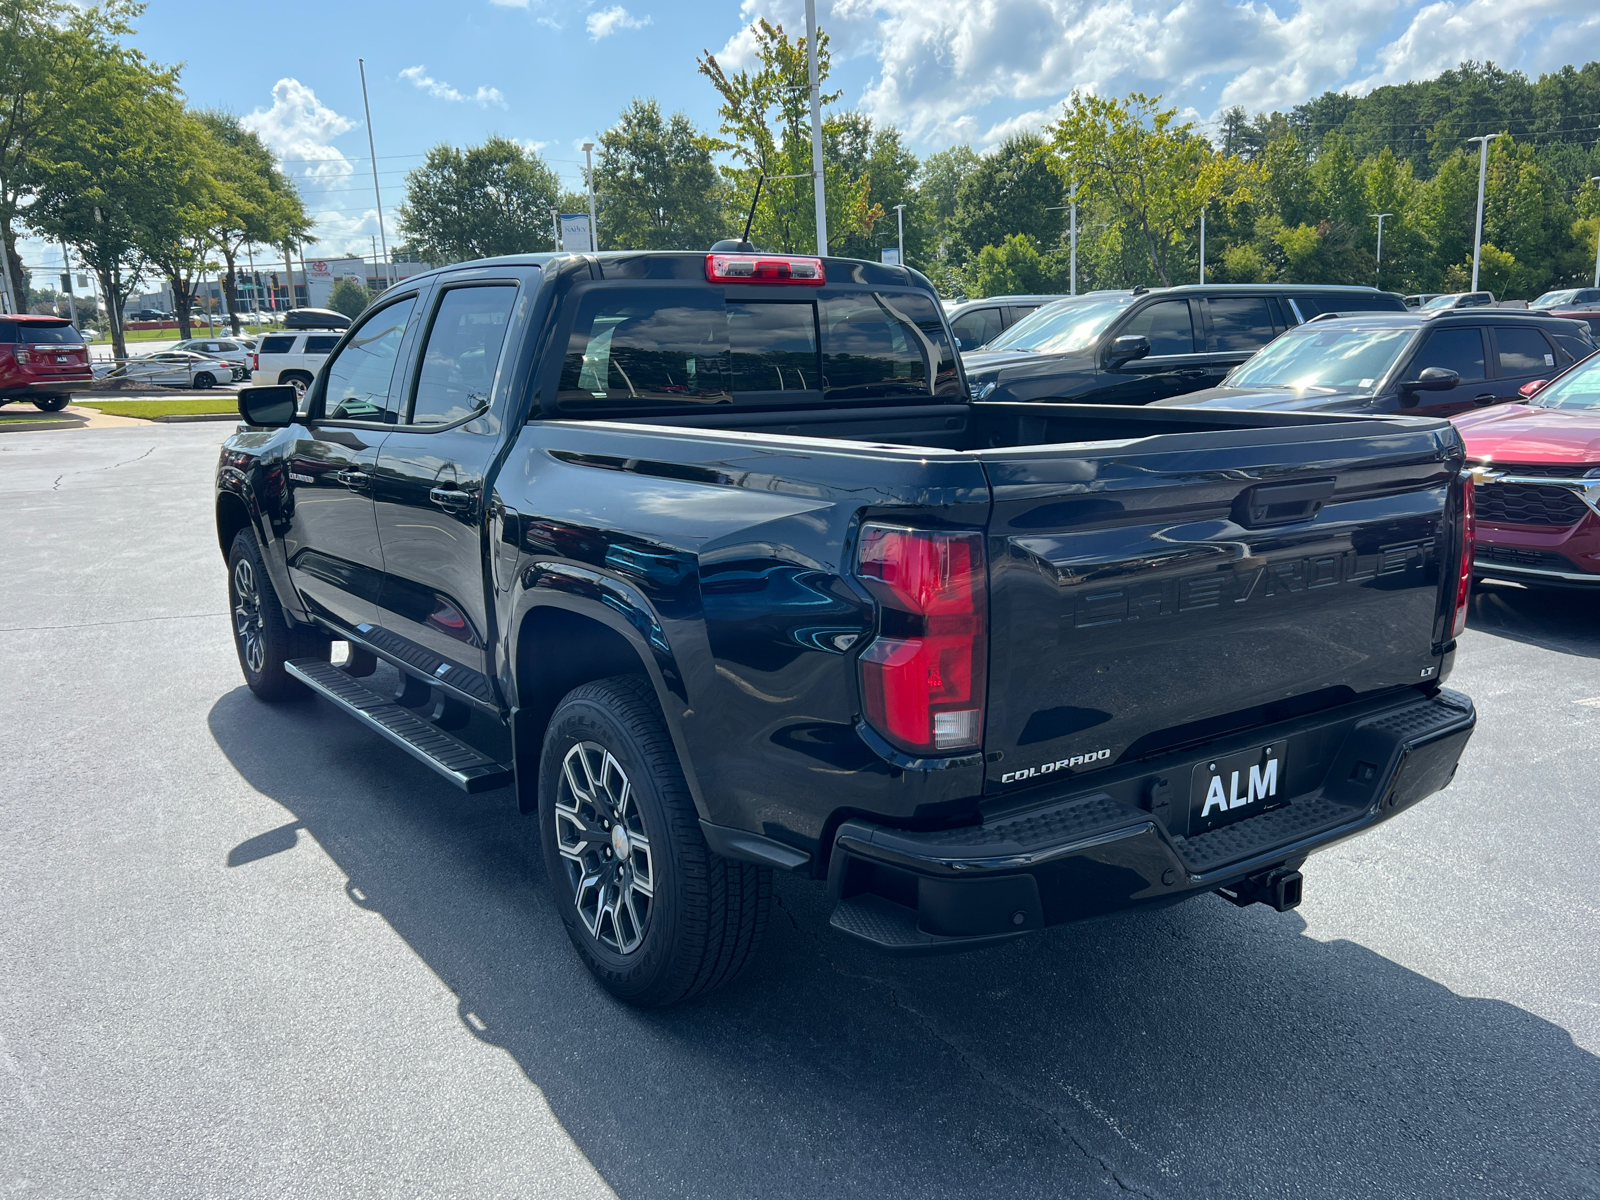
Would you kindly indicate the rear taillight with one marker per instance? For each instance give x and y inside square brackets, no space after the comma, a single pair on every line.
[922,678]
[20,354]
[765,268]
[1469,539]
[255,363]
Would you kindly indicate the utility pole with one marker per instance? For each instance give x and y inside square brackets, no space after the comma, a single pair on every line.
[1483,172]
[1072,212]
[588,174]
[1595,179]
[1377,270]
[372,149]
[818,189]
[1203,243]
[66,278]
[555,229]
[900,223]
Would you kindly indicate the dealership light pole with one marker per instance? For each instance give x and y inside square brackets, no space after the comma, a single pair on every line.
[1483,172]
[588,174]
[1071,209]
[1203,243]
[372,149]
[1377,270]
[1595,179]
[66,278]
[818,189]
[900,223]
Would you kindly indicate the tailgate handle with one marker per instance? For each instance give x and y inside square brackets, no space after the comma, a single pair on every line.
[1281,503]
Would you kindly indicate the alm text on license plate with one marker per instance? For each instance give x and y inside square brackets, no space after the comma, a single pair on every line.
[1235,786]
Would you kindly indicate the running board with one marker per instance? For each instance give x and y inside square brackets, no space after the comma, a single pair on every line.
[468,768]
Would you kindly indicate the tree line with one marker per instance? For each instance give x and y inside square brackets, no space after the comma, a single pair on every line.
[1291,197]
[100,151]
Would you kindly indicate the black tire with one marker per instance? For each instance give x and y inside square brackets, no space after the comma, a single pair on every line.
[204,381]
[262,637]
[50,403]
[705,914]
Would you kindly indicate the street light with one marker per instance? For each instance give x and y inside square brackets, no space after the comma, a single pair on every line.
[1378,269]
[1071,209]
[1483,171]
[372,150]
[1595,179]
[900,223]
[594,240]
[1203,208]
[819,192]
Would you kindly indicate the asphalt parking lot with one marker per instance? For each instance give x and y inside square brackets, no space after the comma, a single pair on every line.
[254,951]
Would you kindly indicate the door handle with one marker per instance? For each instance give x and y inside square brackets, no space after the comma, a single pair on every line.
[1485,398]
[450,499]
[353,479]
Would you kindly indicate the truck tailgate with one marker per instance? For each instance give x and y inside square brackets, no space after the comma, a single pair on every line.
[1154,593]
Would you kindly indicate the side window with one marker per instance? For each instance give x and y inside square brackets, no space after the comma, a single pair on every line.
[1240,322]
[1166,323]
[1459,350]
[1015,312]
[973,329]
[663,345]
[1575,345]
[462,353]
[281,344]
[361,375]
[321,343]
[881,344]
[1523,352]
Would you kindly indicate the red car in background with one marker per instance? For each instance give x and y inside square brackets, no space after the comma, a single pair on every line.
[42,359]
[1538,477]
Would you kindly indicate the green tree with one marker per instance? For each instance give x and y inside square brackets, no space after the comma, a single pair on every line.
[97,171]
[349,297]
[1154,172]
[479,202]
[1013,267]
[657,185]
[180,155]
[878,172]
[938,185]
[1014,190]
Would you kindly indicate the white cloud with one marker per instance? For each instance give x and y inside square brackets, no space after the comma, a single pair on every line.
[976,70]
[298,128]
[608,20]
[531,146]
[439,90]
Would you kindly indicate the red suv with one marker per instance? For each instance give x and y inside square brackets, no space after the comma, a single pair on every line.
[41,359]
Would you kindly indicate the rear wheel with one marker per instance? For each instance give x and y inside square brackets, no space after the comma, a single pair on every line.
[205,380]
[262,636]
[50,403]
[655,915]
[298,380]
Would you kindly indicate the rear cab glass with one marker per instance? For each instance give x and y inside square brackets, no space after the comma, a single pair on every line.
[40,333]
[646,348]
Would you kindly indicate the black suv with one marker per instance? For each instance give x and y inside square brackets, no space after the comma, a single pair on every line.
[1139,346]
[1421,363]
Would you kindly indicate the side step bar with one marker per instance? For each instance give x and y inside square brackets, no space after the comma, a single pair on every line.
[468,768]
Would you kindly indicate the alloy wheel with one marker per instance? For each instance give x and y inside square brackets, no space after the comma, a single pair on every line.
[247,625]
[601,836]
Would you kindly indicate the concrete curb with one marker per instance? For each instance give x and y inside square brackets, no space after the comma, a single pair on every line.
[181,418]
[66,421]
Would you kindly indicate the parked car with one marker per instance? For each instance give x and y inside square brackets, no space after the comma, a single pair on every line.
[315,318]
[1538,475]
[41,359]
[1418,299]
[1459,300]
[290,359]
[1139,346]
[1568,298]
[1431,363]
[150,314]
[174,368]
[234,352]
[731,575]
[1589,316]
[975,323]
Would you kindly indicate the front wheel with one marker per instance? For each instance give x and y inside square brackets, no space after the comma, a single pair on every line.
[654,914]
[50,403]
[261,634]
[205,380]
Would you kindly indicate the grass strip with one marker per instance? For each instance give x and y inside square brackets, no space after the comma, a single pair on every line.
[158,408]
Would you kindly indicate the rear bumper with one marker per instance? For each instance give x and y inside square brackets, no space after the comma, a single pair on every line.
[36,388]
[1093,852]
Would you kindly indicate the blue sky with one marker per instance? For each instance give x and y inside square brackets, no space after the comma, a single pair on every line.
[554,74]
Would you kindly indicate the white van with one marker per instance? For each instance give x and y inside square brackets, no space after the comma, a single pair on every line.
[291,358]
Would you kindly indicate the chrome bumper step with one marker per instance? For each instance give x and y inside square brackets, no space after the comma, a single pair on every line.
[468,768]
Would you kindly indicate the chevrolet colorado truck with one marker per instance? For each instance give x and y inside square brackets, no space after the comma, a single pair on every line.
[716,562]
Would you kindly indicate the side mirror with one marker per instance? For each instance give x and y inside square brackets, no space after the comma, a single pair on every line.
[1528,390]
[1127,348]
[269,407]
[1432,379]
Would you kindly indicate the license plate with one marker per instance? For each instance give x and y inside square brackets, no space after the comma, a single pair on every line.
[1235,786]
[62,358]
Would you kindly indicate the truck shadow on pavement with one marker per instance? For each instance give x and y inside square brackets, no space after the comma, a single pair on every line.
[1198,1051]
[1566,621]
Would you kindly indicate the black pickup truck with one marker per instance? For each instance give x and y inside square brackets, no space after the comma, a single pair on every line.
[714,559]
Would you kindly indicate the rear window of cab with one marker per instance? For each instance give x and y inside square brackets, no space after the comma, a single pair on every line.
[39,333]
[652,348]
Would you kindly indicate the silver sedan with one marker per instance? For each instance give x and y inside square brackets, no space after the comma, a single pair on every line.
[175,368]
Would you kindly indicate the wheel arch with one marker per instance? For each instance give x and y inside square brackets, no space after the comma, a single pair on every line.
[232,516]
